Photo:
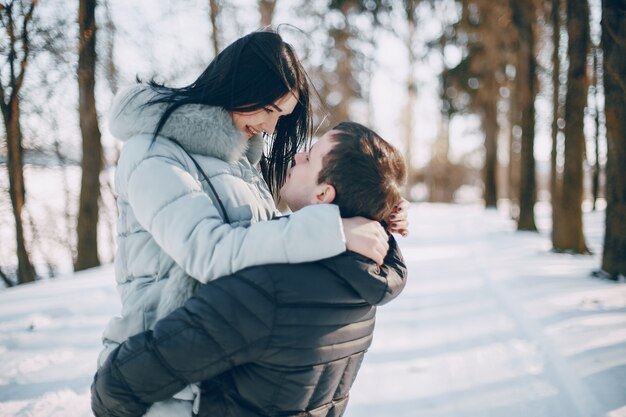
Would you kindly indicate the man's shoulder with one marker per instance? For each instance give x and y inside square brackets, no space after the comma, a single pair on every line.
[302,282]
[279,272]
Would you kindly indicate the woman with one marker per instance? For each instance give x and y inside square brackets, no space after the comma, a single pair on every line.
[190,200]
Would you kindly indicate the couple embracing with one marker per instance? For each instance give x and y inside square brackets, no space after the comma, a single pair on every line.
[228,307]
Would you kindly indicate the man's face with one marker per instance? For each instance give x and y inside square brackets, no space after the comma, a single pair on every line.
[301,187]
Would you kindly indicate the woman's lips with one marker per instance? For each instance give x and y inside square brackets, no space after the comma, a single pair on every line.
[251,131]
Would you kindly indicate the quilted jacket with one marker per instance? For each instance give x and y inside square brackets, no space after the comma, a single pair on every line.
[168,223]
[275,340]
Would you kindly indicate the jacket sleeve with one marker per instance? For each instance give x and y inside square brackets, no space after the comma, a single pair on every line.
[170,204]
[395,272]
[390,278]
[227,323]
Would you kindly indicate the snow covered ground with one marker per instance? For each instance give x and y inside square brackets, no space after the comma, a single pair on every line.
[491,323]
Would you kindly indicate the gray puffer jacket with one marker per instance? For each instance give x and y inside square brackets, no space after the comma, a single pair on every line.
[168,223]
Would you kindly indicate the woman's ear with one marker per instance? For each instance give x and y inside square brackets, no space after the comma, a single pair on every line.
[325,194]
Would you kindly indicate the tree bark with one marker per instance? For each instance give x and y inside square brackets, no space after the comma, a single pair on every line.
[91,165]
[595,181]
[112,74]
[614,47]
[343,86]
[10,104]
[411,88]
[266,7]
[214,10]
[17,189]
[490,123]
[523,15]
[556,113]
[567,234]
[513,170]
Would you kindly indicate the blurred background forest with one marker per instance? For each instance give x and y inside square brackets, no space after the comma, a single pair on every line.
[506,103]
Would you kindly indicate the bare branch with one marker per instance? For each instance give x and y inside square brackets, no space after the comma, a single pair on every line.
[12,53]
[6,279]
[25,45]
[214,11]
[3,104]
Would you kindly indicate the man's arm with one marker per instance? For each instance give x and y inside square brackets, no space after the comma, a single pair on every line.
[394,271]
[225,324]
[390,277]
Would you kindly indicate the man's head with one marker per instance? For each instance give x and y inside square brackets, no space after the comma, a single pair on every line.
[350,166]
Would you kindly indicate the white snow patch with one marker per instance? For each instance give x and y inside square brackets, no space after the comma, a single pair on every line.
[491,324]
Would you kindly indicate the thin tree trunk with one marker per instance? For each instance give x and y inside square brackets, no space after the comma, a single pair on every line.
[556,112]
[111,29]
[595,181]
[341,110]
[489,96]
[514,160]
[568,233]
[266,7]
[214,10]
[91,165]
[25,270]
[10,105]
[490,122]
[411,88]
[614,47]
[523,15]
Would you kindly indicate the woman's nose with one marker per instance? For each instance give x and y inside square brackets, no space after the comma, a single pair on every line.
[270,125]
[298,157]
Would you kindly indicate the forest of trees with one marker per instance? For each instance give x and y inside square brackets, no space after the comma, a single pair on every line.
[518,67]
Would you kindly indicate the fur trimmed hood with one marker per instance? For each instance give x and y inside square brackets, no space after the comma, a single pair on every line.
[202,130]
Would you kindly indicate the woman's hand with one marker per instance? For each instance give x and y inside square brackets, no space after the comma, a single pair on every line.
[398,221]
[366,237]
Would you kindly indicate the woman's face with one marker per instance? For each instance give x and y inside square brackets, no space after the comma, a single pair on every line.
[265,119]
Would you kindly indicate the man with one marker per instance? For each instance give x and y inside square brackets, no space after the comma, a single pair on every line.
[285,339]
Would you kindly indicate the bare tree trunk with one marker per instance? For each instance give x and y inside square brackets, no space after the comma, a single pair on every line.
[595,181]
[614,47]
[10,104]
[523,16]
[111,29]
[266,7]
[342,84]
[567,235]
[411,87]
[17,189]
[67,195]
[514,156]
[490,123]
[490,95]
[555,195]
[341,110]
[91,165]
[214,10]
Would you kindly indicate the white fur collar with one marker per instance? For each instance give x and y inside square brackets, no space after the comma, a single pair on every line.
[202,130]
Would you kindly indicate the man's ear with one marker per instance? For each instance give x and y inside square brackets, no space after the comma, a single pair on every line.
[325,194]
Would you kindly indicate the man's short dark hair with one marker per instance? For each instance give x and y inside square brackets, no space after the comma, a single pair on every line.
[366,172]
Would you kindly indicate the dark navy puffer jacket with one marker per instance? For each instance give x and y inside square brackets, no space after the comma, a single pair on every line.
[276,340]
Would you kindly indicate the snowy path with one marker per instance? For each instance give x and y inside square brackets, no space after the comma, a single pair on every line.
[491,324]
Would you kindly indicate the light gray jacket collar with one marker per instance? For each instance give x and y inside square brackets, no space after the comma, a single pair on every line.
[200,129]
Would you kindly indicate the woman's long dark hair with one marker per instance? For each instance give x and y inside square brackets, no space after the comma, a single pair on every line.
[250,74]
